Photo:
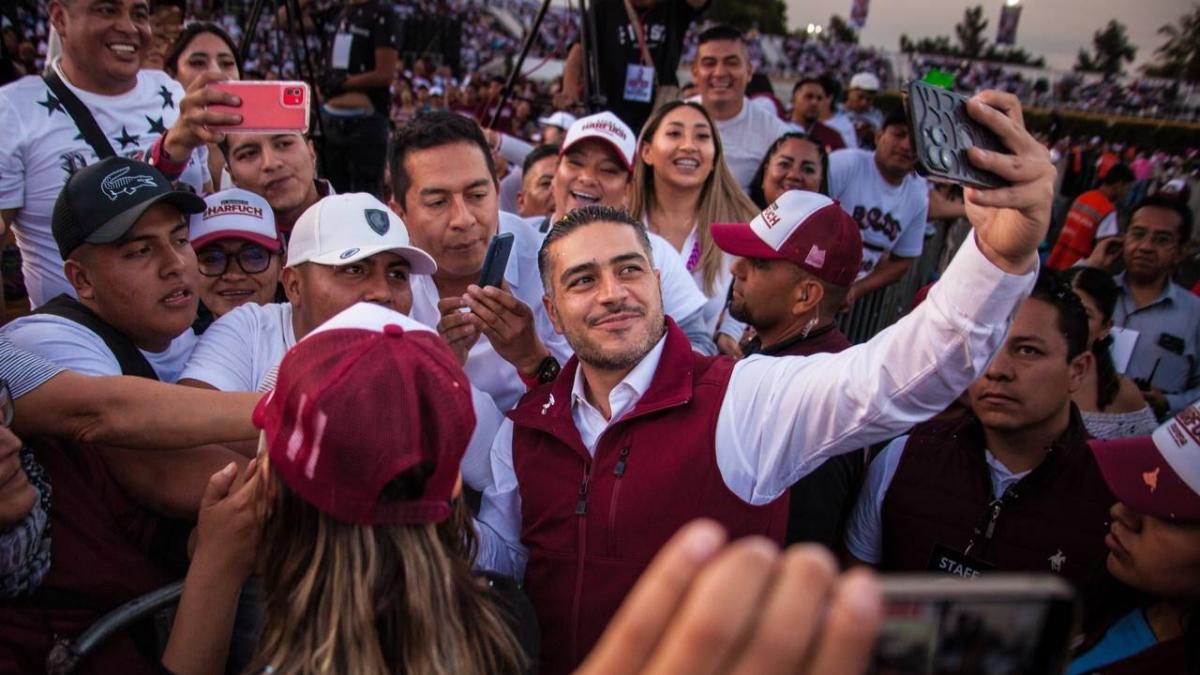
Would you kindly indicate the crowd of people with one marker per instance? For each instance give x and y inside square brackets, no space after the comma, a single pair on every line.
[290,370]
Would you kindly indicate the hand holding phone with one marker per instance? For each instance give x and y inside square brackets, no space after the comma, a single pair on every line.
[268,107]
[496,260]
[942,132]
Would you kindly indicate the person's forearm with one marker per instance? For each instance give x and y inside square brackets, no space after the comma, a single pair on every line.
[887,273]
[573,73]
[134,412]
[171,484]
[203,627]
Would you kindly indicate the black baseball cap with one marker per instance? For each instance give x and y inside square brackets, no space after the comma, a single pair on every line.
[102,201]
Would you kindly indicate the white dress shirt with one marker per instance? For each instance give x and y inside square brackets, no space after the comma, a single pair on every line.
[782,416]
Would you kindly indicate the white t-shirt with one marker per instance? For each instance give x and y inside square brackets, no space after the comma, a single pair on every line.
[890,217]
[746,137]
[842,124]
[239,349]
[40,146]
[714,304]
[864,531]
[71,345]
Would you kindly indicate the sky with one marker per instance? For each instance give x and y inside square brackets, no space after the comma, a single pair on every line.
[1055,29]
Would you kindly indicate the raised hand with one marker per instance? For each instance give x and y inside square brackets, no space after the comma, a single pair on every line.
[1010,221]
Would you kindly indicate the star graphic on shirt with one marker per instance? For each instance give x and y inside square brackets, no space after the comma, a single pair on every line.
[156,125]
[125,139]
[52,104]
[167,97]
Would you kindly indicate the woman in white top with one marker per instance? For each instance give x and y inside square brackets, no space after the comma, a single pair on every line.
[681,186]
[1111,404]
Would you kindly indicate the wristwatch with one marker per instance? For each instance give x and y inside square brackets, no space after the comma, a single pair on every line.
[546,372]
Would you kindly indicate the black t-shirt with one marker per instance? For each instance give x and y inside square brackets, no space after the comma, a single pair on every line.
[664,27]
[367,26]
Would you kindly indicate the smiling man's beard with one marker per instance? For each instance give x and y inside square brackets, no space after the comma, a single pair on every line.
[629,355]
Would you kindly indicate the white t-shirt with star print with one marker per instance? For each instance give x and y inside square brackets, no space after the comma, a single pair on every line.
[40,146]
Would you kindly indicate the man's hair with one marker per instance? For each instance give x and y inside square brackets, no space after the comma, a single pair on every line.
[434,130]
[1052,288]
[583,216]
[171,61]
[832,87]
[1173,203]
[1119,173]
[719,32]
[538,154]
[807,80]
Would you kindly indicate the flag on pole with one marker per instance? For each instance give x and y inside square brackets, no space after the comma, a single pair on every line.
[1006,29]
[858,13]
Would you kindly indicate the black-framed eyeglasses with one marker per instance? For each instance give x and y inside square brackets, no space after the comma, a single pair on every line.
[7,407]
[250,258]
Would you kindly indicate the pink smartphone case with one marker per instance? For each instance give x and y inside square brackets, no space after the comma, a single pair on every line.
[268,107]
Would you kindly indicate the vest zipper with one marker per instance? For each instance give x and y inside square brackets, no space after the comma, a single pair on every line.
[618,471]
[577,600]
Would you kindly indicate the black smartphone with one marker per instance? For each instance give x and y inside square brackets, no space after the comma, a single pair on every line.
[942,131]
[496,260]
[995,623]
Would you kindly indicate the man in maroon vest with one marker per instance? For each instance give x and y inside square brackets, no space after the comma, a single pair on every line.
[593,472]
[1012,487]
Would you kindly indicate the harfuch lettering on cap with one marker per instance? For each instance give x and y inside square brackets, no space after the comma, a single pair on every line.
[233,208]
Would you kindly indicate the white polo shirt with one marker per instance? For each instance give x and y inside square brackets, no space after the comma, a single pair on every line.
[783,416]
[746,137]
[68,344]
[40,147]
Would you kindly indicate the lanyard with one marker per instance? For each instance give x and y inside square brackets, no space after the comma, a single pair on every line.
[640,30]
[987,527]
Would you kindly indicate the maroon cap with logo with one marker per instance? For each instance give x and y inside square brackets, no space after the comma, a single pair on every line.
[806,228]
[369,395]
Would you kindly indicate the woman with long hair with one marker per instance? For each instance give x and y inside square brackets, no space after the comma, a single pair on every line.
[1154,548]
[1110,403]
[793,162]
[353,519]
[681,186]
[205,47]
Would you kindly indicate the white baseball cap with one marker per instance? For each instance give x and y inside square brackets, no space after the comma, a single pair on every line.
[606,127]
[562,120]
[235,214]
[341,229]
[864,81]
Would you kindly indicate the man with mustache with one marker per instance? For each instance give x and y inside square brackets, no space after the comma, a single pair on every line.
[890,202]
[638,435]
[1010,487]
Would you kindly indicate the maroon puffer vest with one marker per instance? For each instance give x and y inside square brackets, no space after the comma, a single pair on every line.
[1056,522]
[593,525]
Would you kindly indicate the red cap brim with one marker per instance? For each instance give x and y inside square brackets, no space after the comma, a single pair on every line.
[274,245]
[740,240]
[1143,480]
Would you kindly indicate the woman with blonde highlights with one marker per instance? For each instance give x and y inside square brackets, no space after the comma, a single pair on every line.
[681,186]
[353,520]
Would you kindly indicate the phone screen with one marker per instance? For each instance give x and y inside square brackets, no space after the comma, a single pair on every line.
[1009,632]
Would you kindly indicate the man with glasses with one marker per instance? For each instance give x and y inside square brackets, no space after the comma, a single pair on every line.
[239,252]
[344,249]
[1164,315]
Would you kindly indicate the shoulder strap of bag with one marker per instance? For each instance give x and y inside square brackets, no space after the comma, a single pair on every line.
[82,116]
[640,30]
[128,355]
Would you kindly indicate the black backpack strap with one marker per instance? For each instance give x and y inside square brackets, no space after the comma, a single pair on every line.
[128,356]
[82,116]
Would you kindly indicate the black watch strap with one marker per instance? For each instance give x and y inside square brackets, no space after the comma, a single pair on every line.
[548,370]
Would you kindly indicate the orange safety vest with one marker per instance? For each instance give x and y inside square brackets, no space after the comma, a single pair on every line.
[1078,234]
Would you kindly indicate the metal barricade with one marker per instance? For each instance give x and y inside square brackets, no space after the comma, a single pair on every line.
[872,313]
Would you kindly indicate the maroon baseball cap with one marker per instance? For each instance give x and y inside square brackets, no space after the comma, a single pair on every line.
[1159,474]
[369,395]
[805,228]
